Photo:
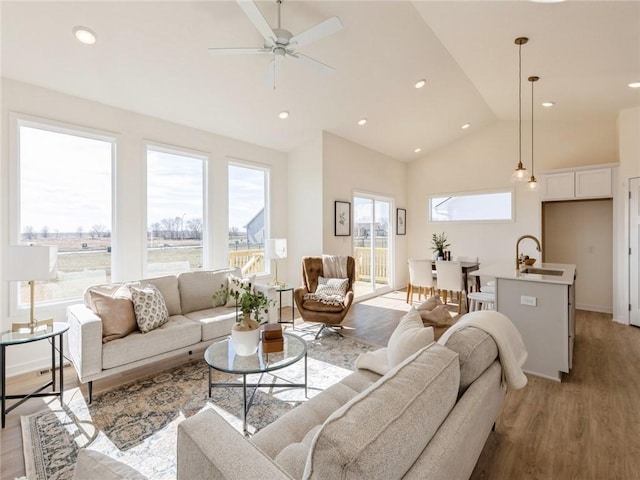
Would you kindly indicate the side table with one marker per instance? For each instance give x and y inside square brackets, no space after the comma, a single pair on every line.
[286,288]
[16,338]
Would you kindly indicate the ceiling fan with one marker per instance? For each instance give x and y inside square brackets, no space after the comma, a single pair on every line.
[282,43]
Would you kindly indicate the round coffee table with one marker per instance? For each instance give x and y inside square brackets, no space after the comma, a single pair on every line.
[221,356]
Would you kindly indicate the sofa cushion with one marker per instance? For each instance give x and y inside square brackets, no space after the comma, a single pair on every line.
[197,288]
[177,333]
[168,286]
[376,361]
[94,464]
[477,350]
[149,307]
[215,322]
[317,306]
[381,432]
[409,336]
[116,313]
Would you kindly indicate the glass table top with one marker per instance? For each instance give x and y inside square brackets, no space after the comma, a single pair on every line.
[25,336]
[221,356]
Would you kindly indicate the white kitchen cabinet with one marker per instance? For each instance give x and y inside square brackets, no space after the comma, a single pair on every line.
[558,186]
[593,183]
[576,184]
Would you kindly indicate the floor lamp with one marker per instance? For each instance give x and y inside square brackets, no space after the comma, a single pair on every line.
[31,264]
[276,248]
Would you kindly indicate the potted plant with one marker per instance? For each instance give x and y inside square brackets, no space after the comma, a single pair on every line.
[439,243]
[245,333]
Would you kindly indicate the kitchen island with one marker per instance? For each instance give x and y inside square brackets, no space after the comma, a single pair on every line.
[540,301]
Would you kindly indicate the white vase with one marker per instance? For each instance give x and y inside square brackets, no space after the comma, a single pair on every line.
[245,336]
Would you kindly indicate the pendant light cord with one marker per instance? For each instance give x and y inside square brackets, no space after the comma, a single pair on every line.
[532,170]
[520,105]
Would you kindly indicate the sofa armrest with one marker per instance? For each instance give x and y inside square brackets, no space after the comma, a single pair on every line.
[272,295]
[209,448]
[85,340]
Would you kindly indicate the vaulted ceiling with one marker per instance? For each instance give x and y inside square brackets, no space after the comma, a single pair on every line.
[151,57]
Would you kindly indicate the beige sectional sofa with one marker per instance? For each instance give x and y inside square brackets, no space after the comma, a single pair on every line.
[193,324]
[427,418]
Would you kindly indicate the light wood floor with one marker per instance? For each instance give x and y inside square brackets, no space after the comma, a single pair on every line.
[587,427]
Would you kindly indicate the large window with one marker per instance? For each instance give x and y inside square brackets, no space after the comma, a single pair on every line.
[494,206]
[175,209]
[64,179]
[247,217]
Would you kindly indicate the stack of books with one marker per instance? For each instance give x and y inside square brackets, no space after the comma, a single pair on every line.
[272,340]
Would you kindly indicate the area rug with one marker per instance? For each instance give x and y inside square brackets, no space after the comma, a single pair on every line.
[137,423]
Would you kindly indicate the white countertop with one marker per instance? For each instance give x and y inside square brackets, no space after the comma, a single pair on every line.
[507,270]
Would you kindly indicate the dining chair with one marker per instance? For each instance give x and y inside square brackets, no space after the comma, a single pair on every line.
[450,280]
[420,277]
[470,279]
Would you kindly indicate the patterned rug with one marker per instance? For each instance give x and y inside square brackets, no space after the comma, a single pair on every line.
[137,423]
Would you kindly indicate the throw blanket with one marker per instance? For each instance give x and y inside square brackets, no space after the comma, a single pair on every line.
[334,266]
[511,349]
[334,300]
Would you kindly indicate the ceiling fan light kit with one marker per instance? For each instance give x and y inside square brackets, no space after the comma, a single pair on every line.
[281,43]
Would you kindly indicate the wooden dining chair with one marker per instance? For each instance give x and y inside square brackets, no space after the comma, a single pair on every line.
[470,279]
[450,280]
[420,277]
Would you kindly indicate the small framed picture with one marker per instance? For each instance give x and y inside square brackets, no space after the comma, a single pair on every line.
[343,219]
[401,221]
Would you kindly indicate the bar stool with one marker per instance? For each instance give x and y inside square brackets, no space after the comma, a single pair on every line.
[481,301]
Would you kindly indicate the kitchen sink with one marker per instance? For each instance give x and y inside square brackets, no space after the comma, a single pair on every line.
[543,271]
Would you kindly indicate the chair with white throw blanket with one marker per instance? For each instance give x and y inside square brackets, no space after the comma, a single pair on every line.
[326,293]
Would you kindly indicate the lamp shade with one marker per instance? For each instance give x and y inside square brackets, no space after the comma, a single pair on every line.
[276,248]
[24,263]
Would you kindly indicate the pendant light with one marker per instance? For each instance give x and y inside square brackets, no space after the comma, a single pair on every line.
[532,183]
[520,174]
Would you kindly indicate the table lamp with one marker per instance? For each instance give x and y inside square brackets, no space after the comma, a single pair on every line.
[276,248]
[31,264]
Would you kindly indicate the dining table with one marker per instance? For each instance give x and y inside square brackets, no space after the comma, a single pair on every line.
[467,267]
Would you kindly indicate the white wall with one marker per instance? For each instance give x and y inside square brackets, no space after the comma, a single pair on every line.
[305,206]
[485,160]
[132,130]
[629,157]
[349,167]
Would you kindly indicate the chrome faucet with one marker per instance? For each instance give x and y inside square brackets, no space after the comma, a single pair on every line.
[538,247]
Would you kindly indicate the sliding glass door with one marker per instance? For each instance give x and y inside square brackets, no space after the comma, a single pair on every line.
[372,246]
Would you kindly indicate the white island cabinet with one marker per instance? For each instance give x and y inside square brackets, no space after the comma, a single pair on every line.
[542,307]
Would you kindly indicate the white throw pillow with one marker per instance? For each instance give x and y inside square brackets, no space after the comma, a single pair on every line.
[236,284]
[332,286]
[375,361]
[149,307]
[409,336]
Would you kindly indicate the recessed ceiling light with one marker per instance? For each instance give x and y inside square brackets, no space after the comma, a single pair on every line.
[547,1]
[362,121]
[420,83]
[465,126]
[84,35]
[283,114]
[417,149]
[634,84]
[548,104]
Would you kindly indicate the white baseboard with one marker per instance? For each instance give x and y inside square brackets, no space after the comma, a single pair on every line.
[594,308]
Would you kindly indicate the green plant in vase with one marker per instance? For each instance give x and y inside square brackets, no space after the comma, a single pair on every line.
[250,303]
[439,243]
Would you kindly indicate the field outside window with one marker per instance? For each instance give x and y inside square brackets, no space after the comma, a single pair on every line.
[175,189]
[65,200]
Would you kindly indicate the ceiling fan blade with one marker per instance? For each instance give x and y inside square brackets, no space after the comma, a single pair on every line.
[237,51]
[251,10]
[311,62]
[321,30]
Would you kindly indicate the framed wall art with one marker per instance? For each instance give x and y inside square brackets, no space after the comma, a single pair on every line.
[343,219]
[401,221]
